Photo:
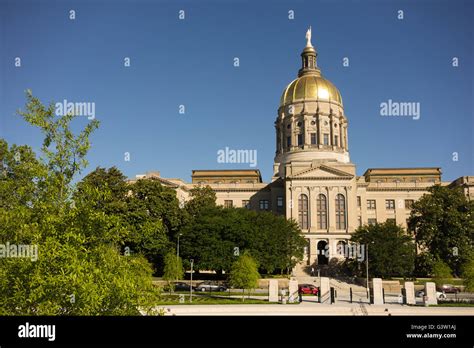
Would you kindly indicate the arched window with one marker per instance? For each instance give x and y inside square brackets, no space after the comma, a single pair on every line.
[340,212]
[303,211]
[322,212]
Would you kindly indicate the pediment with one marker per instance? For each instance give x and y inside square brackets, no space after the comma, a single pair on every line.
[322,171]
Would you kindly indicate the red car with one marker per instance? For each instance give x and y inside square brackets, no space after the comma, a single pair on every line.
[307,289]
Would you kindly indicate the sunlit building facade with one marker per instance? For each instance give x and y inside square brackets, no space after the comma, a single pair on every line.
[314,181]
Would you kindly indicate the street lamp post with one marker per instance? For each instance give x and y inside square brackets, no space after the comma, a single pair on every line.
[177,254]
[191,286]
[367,266]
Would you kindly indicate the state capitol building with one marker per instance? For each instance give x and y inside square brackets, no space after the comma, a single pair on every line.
[314,181]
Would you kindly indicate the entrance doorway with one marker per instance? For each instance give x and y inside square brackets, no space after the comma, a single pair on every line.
[322,250]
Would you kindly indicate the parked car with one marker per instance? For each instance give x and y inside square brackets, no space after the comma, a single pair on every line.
[182,287]
[307,289]
[449,289]
[439,294]
[208,286]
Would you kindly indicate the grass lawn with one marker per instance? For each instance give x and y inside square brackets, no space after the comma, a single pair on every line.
[174,300]
[222,293]
[453,304]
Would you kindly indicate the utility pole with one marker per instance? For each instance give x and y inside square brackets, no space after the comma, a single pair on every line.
[191,286]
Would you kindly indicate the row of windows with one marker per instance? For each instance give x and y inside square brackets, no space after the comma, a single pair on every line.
[264,204]
[321,203]
[372,221]
[389,203]
[322,212]
[313,140]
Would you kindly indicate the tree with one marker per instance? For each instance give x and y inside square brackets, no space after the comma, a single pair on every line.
[244,273]
[441,273]
[468,274]
[443,225]
[173,269]
[215,236]
[79,269]
[149,211]
[391,250]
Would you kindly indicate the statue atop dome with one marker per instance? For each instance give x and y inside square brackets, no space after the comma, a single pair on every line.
[308,37]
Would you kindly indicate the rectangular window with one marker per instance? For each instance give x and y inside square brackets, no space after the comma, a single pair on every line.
[326,139]
[409,203]
[263,204]
[313,139]
[300,139]
[336,140]
[371,204]
[358,201]
[359,219]
[246,204]
[390,204]
[288,141]
[393,221]
[228,204]
[280,201]
[372,221]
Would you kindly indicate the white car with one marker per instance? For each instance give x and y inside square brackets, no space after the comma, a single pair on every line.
[439,294]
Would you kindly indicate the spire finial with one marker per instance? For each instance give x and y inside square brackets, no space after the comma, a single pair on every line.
[308,37]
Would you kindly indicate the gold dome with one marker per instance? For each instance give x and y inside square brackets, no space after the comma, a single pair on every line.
[311,87]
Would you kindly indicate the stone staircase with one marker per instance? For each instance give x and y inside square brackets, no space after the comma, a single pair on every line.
[302,273]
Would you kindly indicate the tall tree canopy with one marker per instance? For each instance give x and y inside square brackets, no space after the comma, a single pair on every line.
[79,269]
[443,225]
[215,236]
[391,250]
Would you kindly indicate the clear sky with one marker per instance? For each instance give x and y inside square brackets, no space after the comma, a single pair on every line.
[190,62]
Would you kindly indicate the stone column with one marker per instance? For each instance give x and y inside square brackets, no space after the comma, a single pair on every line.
[313,250]
[347,139]
[341,138]
[325,290]
[331,209]
[319,128]
[293,290]
[410,293]
[430,294]
[273,290]
[377,294]
[312,209]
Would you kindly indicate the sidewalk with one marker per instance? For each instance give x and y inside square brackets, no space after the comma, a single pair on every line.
[309,308]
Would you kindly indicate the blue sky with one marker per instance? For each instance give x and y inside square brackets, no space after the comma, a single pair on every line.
[190,62]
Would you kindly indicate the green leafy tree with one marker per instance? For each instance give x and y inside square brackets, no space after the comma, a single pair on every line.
[173,269]
[441,273]
[213,237]
[391,251]
[79,269]
[149,211]
[468,274]
[244,273]
[443,225]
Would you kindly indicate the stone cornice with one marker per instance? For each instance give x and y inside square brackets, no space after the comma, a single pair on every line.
[397,189]
[319,178]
